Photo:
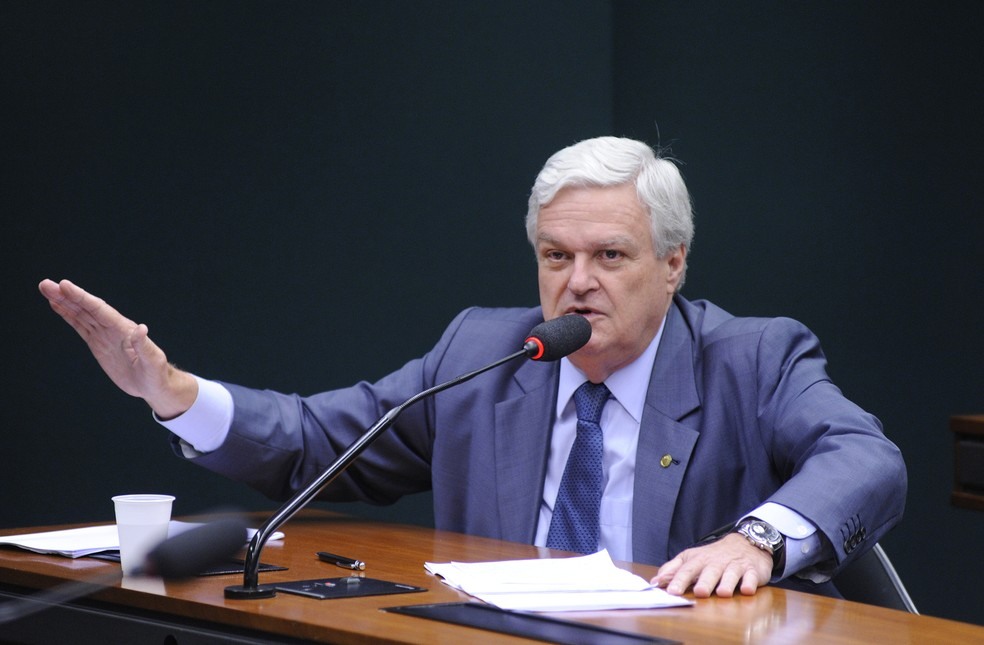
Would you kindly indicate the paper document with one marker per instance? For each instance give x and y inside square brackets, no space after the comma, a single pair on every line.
[580,583]
[74,543]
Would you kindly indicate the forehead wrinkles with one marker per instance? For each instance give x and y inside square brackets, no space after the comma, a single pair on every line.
[619,226]
[587,205]
[594,216]
[595,202]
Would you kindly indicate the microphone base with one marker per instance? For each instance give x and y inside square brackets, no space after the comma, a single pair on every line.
[242,592]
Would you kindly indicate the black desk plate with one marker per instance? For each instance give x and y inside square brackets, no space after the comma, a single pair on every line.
[527,625]
[229,566]
[348,587]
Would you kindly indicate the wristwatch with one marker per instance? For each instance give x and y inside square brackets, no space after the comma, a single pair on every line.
[766,537]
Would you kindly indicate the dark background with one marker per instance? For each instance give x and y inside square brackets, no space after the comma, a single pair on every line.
[298,195]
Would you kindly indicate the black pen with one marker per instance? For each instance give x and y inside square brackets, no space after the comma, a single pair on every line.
[341,561]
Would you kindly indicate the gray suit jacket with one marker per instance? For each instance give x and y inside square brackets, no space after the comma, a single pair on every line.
[742,408]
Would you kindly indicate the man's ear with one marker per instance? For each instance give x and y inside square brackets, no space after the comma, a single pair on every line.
[676,263]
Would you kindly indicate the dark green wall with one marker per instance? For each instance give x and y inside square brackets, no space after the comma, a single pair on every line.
[299,195]
[292,195]
[833,150]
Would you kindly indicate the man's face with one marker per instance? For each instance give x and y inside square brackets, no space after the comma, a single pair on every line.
[596,258]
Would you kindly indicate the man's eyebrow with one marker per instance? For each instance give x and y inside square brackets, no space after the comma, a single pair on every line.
[618,240]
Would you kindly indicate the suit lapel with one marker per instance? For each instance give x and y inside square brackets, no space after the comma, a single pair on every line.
[522,439]
[665,445]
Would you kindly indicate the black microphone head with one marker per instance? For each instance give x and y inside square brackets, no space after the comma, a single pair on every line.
[556,338]
[193,551]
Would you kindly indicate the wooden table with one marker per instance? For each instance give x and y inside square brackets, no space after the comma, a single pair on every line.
[197,611]
[968,461]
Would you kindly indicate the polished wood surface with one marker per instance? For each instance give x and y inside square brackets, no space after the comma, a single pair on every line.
[397,553]
[971,424]
[968,446]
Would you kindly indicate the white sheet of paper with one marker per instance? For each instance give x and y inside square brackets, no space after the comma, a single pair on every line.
[581,583]
[75,543]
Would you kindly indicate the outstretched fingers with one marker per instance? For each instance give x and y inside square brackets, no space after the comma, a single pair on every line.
[90,316]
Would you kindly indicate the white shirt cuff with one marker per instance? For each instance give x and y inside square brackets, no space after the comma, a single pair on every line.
[802,541]
[205,425]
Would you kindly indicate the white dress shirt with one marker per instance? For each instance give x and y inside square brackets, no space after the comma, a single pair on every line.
[620,422]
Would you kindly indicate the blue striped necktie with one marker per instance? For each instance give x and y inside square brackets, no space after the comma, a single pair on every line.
[574,526]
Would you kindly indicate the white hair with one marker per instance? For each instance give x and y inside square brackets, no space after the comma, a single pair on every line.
[611,161]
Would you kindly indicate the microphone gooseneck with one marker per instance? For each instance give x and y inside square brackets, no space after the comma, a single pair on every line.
[548,341]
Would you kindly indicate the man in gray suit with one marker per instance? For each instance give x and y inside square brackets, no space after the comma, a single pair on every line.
[717,448]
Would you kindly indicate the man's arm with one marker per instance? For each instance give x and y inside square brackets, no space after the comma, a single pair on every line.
[123,349]
[801,548]
[840,472]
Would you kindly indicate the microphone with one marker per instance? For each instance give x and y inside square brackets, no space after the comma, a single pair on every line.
[191,552]
[555,339]
[182,556]
[548,341]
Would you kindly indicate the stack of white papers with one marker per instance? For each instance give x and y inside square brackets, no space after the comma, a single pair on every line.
[583,583]
[75,543]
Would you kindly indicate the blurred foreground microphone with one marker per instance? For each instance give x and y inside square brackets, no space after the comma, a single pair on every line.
[182,556]
[548,341]
[195,550]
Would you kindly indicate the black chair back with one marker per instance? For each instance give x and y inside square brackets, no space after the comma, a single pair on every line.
[872,579]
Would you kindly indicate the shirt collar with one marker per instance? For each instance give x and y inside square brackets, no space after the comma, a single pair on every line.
[628,385]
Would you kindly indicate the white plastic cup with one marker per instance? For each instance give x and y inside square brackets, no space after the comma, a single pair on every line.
[141,521]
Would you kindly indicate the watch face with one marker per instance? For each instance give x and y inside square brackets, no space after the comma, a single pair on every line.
[765,531]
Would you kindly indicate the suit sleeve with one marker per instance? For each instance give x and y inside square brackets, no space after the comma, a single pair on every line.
[278,443]
[840,470]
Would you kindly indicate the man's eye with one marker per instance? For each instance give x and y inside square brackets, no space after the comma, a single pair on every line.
[611,254]
[556,256]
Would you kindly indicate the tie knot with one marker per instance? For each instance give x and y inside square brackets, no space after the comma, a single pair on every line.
[589,399]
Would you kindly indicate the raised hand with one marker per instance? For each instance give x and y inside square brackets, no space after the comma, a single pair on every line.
[123,349]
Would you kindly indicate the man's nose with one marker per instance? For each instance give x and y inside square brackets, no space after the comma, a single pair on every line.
[582,278]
